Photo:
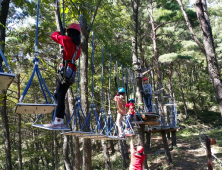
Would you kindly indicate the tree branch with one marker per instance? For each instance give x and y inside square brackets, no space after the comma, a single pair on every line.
[158,26]
[94,16]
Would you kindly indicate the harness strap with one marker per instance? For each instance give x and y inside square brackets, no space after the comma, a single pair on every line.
[62,73]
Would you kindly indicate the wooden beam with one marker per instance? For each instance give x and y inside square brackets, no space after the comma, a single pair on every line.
[166,147]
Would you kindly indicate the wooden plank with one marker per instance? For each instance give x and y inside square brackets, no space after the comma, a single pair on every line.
[32,108]
[51,128]
[166,130]
[76,133]
[152,122]
[5,80]
[150,114]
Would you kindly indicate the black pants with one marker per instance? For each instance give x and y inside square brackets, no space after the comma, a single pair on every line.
[61,90]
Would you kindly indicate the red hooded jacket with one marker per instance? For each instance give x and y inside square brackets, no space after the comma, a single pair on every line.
[69,47]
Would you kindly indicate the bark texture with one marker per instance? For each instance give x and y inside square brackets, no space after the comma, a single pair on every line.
[190,27]
[212,64]
[87,162]
[3,18]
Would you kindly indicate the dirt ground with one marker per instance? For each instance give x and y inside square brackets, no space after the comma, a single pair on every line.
[187,155]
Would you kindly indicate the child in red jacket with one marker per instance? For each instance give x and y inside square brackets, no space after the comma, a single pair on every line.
[130,115]
[137,157]
[71,44]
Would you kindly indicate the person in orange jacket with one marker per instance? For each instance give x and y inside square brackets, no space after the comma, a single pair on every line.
[71,45]
[121,110]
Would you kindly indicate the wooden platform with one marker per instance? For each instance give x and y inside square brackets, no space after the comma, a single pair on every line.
[5,80]
[127,134]
[149,122]
[51,128]
[101,137]
[149,114]
[77,133]
[117,138]
[160,129]
[93,136]
[32,108]
[148,117]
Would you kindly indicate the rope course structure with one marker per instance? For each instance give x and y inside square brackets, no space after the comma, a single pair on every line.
[33,108]
[127,80]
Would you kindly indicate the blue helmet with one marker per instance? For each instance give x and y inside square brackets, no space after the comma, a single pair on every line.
[132,100]
[121,90]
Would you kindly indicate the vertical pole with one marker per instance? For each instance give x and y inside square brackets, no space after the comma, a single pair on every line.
[148,137]
[209,157]
[174,138]
[166,147]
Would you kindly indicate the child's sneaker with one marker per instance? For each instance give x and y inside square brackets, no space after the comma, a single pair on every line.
[131,132]
[122,136]
[58,123]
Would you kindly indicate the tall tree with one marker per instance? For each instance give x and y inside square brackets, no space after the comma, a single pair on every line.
[211,57]
[87,151]
[3,17]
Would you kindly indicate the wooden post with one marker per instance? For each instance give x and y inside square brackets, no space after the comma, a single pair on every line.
[148,135]
[209,158]
[174,138]
[166,147]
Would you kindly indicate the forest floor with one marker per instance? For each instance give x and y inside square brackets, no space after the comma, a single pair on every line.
[189,154]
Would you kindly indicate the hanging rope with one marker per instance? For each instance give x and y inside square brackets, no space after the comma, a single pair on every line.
[63,3]
[6,63]
[102,80]
[37,31]
[122,76]
[110,60]
[130,85]
[117,74]
[92,64]
[127,88]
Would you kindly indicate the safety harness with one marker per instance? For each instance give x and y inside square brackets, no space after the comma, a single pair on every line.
[62,71]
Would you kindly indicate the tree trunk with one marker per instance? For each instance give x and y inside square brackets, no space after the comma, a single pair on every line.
[156,58]
[75,149]
[212,64]
[126,153]
[87,163]
[170,82]
[135,59]
[106,156]
[120,143]
[181,90]
[3,109]
[55,151]
[141,140]
[19,128]
[190,27]
[66,138]
[112,146]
